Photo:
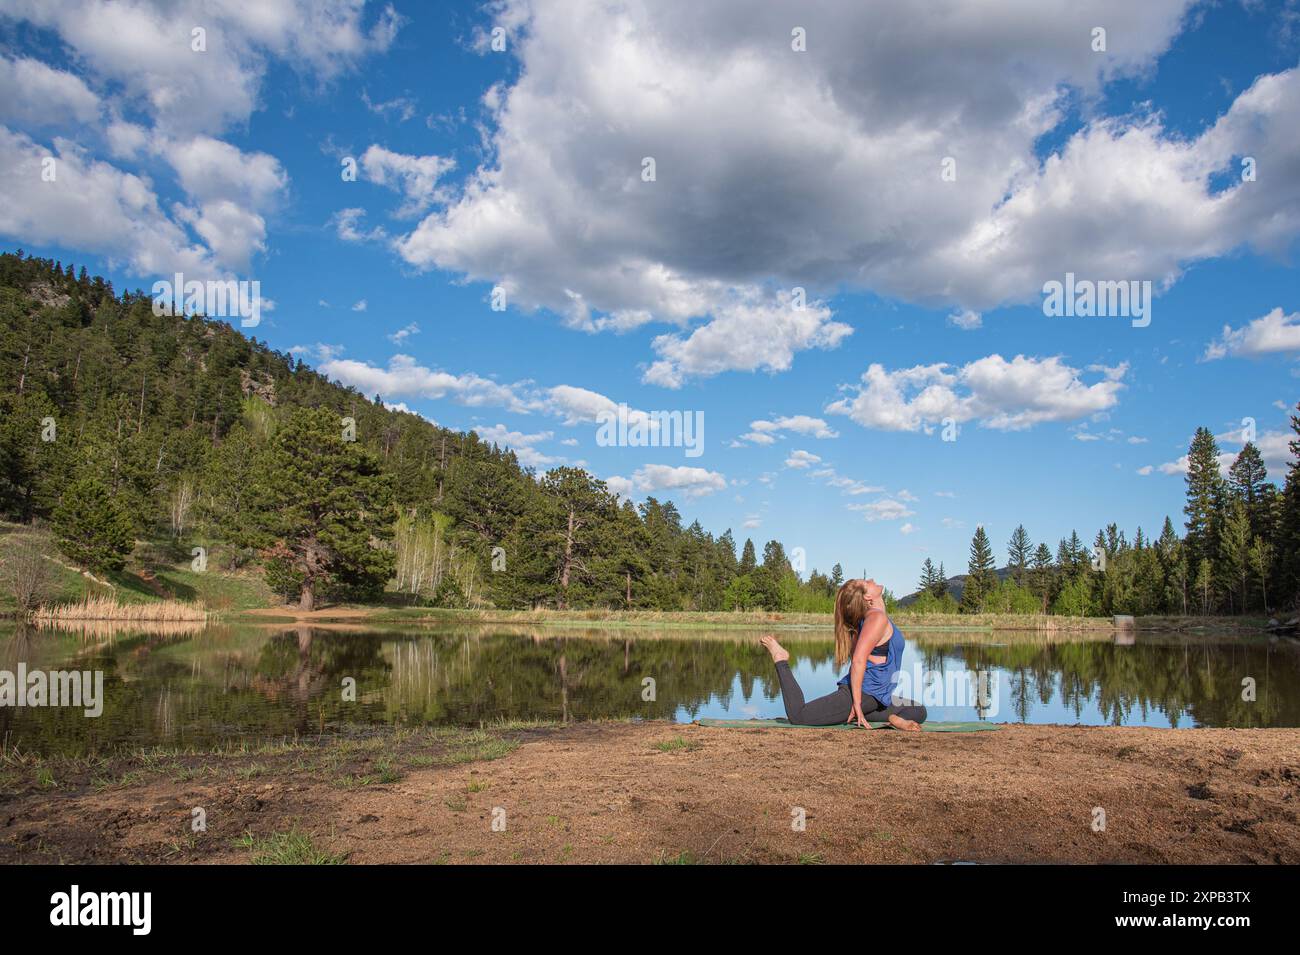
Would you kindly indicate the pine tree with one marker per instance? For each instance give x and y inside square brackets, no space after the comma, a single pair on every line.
[92,528]
[837,577]
[748,558]
[1040,576]
[321,510]
[1234,552]
[1288,525]
[1172,556]
[1019,551]
[774,559]
[929,574]
[1261,565]
[1204,497]
[940,588]
[581,504]
[981,579]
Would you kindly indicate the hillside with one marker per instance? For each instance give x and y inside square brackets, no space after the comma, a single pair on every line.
[171,414]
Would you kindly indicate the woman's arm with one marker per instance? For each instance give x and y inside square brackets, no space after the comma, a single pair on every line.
[872,634]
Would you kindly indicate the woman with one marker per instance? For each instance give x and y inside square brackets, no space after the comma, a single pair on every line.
[865,635]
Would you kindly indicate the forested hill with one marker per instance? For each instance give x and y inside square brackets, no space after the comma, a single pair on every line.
[119,425]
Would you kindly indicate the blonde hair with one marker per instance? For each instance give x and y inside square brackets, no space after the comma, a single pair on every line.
[850,608]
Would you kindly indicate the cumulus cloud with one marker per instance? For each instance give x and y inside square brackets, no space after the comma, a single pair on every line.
[999,394]
[1266,335]
[801,459]
[689,481]
[92,206]
[146,49]
[414,177]
[405,377]
[34,94]
[523,445]
[559,212]
[764,431]
[138,58]
[751,333]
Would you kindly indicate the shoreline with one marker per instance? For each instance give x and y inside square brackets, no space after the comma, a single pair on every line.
[747,620]
[663,792]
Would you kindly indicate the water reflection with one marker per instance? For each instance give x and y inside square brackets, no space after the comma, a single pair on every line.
[229,682]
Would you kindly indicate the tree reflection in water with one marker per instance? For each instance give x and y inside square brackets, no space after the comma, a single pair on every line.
[248,683]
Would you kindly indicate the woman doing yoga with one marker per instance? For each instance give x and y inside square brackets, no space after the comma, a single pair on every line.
[865,635]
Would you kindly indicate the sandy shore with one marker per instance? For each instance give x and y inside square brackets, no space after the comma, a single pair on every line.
[638,793]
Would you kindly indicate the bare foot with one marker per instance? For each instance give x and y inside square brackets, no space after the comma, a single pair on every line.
[902,724]
[779,653]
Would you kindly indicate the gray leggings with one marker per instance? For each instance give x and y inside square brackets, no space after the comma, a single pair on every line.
[836,707]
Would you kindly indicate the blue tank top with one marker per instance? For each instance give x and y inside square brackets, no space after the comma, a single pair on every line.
[880,678]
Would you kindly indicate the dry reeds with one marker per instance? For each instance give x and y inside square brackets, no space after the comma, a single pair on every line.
[110,608]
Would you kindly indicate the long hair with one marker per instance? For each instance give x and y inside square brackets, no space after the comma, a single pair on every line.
[850,608]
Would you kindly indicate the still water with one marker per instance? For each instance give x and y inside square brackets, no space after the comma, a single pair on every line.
[222,683]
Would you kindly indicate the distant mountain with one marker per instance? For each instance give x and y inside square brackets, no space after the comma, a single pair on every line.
[955,586]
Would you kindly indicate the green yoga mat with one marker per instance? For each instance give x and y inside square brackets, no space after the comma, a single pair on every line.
[786,724]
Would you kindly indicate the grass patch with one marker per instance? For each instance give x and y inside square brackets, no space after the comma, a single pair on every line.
[685,857]
[478,747]
[287,848]
[677,744]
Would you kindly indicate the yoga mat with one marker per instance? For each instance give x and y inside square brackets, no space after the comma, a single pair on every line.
[786,724]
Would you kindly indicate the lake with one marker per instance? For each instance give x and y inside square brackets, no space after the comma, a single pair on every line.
[223,683]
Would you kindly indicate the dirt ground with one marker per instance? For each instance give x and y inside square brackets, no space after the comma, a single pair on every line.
[659,792]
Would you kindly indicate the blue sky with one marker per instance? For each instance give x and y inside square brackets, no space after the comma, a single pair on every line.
[774,168]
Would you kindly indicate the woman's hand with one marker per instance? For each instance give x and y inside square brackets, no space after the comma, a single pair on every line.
[856,717]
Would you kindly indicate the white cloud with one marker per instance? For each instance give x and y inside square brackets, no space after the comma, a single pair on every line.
[34,94]
[1266,335]
[347,226]
[560,215]
[966,320]
[402,334]
[403,377]
[765,431]
[402,107]
[691,482]
[522,444]
[145,48]
[801,459]
[885,509]
[1000,394]
[360,306]
[209,169]
[752,333]
[136,58]
[94,207]
[414,177]
[908,528]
